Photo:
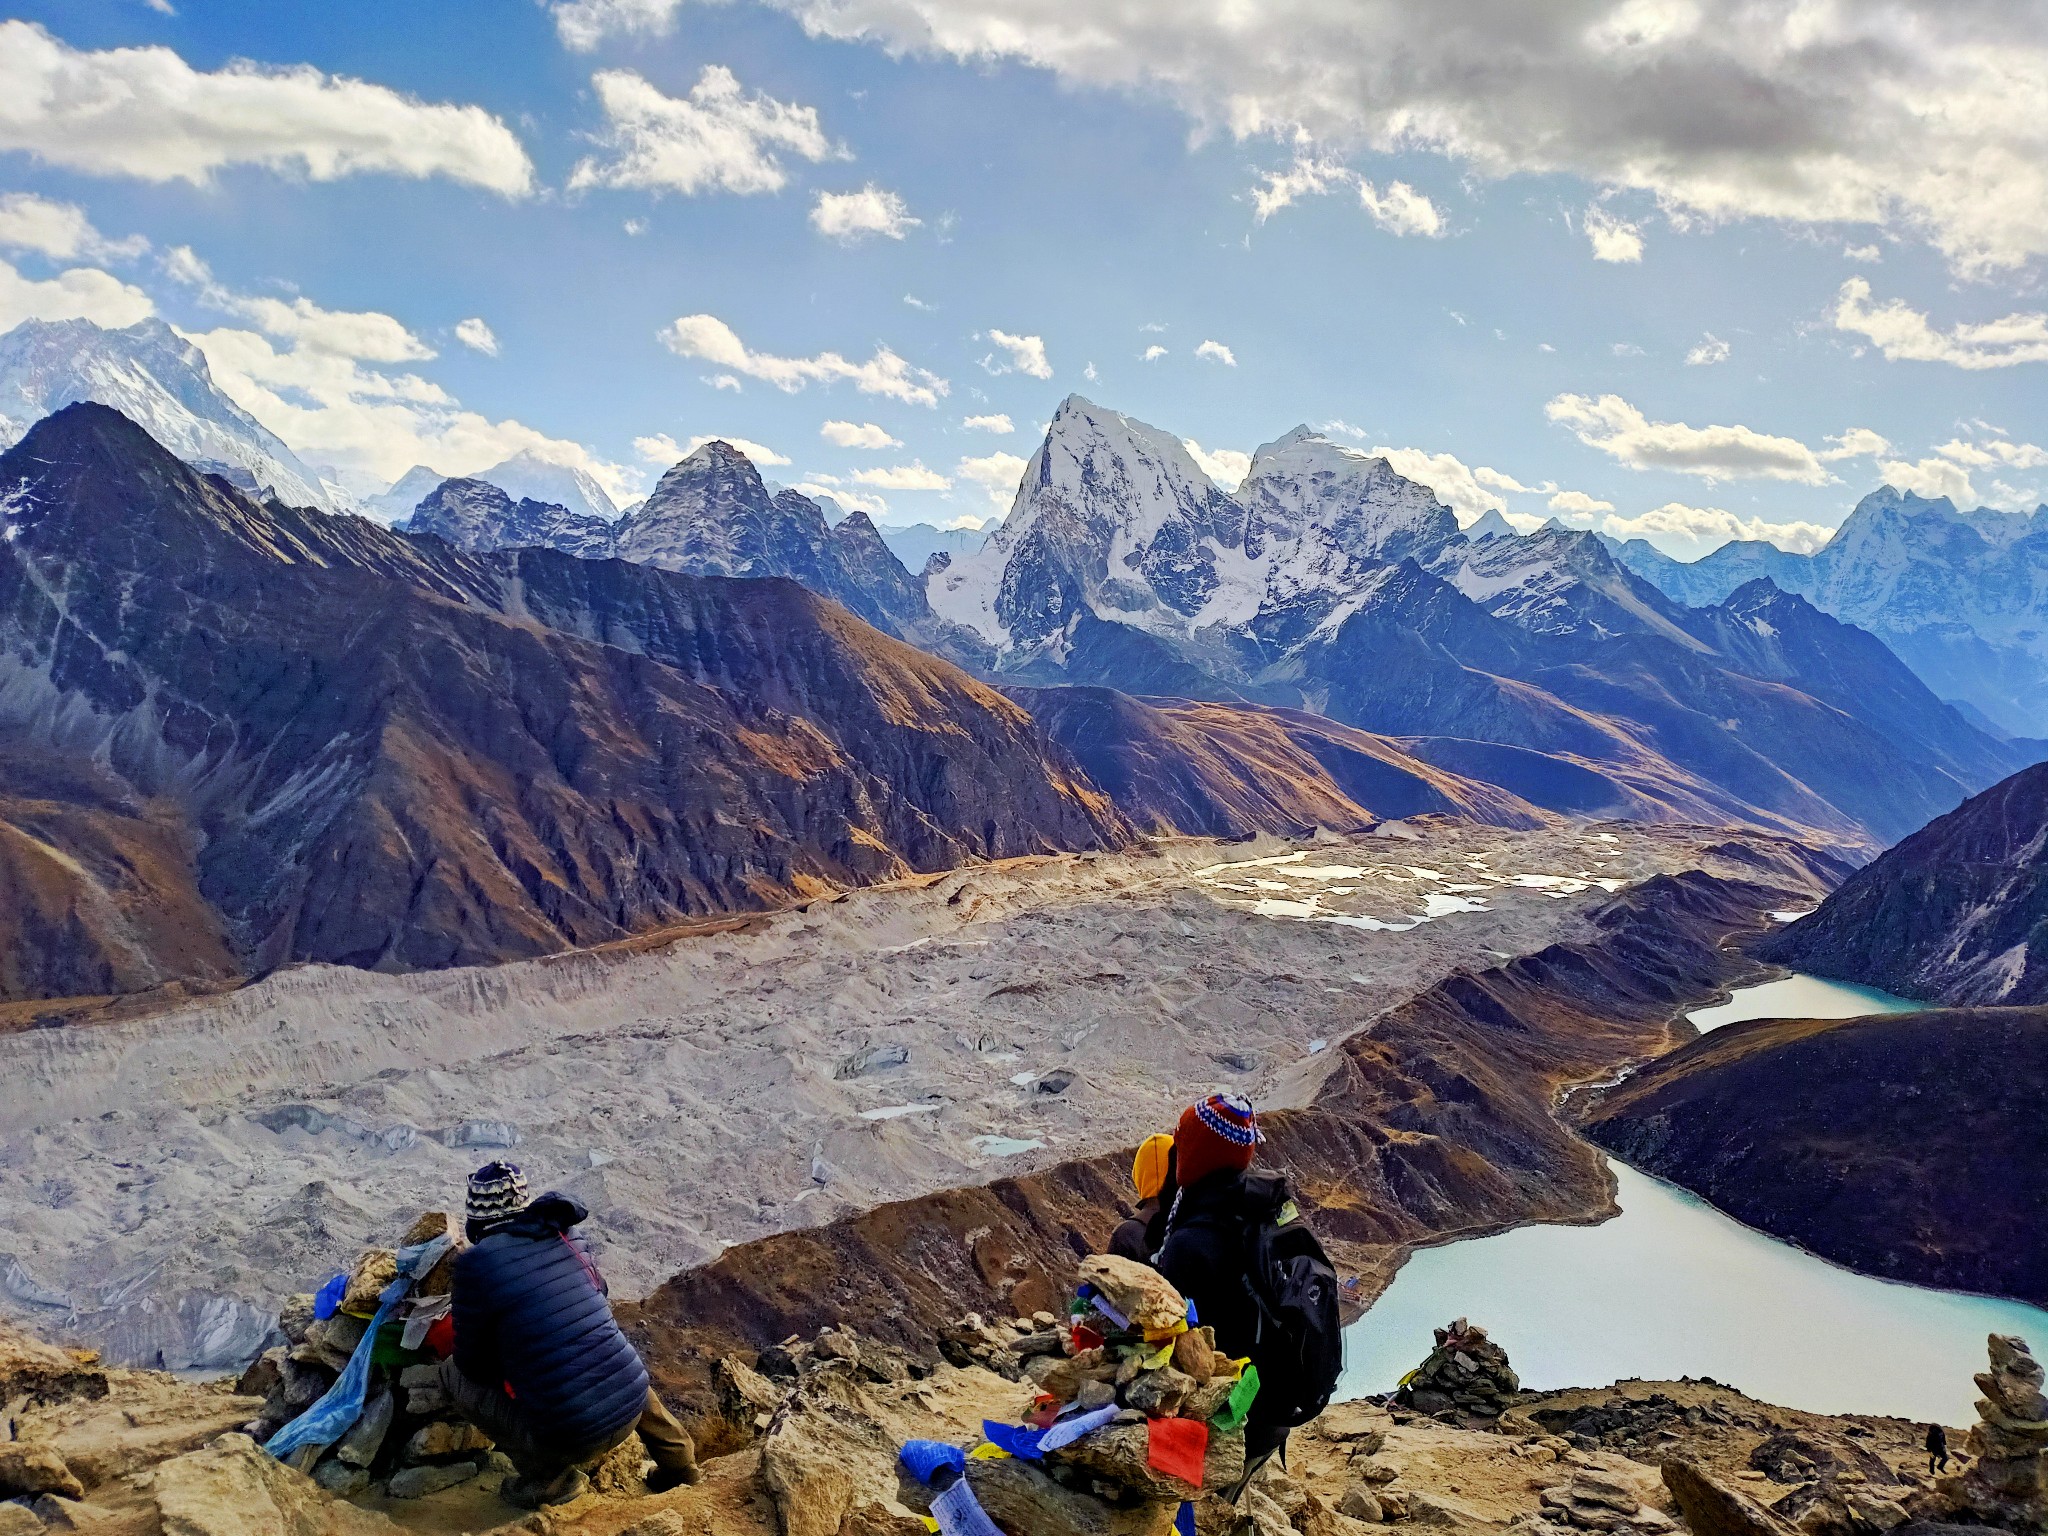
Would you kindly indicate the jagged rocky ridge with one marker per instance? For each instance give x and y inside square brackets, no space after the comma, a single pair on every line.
[1910,1146]
[1956,913]
[1331,584]
[323,740]
[1956,594]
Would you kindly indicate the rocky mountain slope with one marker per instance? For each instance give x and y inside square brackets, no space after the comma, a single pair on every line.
[1956,594]
[476,516]
[1329,583]
[155,377]
[351,746]
[1956,913]
[1905,1145]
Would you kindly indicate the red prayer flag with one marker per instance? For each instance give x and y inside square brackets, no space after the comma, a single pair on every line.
[1177,1448]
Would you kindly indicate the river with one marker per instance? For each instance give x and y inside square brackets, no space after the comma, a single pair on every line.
[1671,1287]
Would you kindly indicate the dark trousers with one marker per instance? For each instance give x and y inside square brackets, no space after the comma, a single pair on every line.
[538,1454]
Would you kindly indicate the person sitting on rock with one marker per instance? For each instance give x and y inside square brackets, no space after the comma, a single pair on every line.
[540,1364]
[1937,1449]
[1236,1247]
[1152,1171]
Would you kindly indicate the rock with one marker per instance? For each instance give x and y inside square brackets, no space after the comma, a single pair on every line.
[1063,1378]
[745,1401]
[374,1269]
[1393,1505]
[1048,1342]
[666,1522]
[424,1397]
[827,1451]
[441,1439]
[1195,1353]
[1020,1498]
[837,1344]
[264,1375]
[31,1467]
[1117,1454]
[427,1226]
[234,1488]
[777,1363]
[359,1447]
[1138,1291]
[19,1520]
[1466,1374]
[1590,1488]
[418,1482]
[2006,1481]
[1360,1503]
[1158,1394]
[1373,1471]
[342,1479]
[295,1317]
[1712,1508]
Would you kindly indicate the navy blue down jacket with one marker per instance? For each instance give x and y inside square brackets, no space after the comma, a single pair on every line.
[531,1316]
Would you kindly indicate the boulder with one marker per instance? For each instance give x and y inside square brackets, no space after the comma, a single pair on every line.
[826,1452]
[342,1479]
[1712,1508]
[440,1440]
[19,1520]
[30,1467]
[365,1437]
[418,1482]
[1019,1497]
[1360,1503]
[745,1402]
[234,1488]
[374,1269]
[1138,1291]
[1117,1454]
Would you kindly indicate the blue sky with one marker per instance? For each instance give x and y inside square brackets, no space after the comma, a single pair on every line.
[1401,244]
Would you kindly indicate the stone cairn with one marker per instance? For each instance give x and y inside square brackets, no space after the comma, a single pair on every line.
[2006,1481]
[409,1440]
[1466,1376]
[1126,1348]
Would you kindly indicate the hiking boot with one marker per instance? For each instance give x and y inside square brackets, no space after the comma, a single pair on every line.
[661,1479]
[538,1493]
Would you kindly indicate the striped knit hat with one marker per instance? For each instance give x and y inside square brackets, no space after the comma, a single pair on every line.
[496,1191]
[1218,1133]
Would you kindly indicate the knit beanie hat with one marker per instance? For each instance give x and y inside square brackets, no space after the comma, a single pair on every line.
[1149,1167]
[1220,1132]
[497,1191]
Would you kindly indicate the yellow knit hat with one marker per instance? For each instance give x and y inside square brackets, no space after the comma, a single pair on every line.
[1148,1169]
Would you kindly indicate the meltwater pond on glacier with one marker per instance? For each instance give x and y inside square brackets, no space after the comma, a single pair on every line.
[1670,1288]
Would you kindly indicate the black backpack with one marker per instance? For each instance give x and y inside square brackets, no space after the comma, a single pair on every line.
[1299,1347]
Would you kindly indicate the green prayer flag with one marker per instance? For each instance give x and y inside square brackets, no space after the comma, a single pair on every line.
[1232,1418]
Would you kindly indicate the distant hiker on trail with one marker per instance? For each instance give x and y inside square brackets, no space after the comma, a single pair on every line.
[540,1365]
[1937,1449]
[1238,1249]
[1152,1171]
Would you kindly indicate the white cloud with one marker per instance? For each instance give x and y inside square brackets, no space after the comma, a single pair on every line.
[145,112]
[660,448]
[1867,253]
[1934,476]
[998,474]
[852,501]
[634,226]
[1689,532]
[1152,354]
[725,381]
[583,24]
[716,139]
[903,477]
[1619,430]
[997,423]
[1905,334]
[1026,355]
[1856,443]
[80,293]
[916,303]
[1454,483]
[1215,351]
[1088,372]
[1500,481]
[849,217]
[1226,466]
[849,434]
[60,231]
[1613,239]
[1991,452]
[1400,210]
[1579,502]
[1913,116]
[711,339]
[474,334]
[1711,350]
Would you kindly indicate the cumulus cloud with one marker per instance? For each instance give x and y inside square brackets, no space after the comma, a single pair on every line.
[903,477]
[1026,355]
[1998,452]
[660,448]
[1869,253]
[474,334]
[1932,476]
[1400,209]
[997,473]
[1454,482]
[583,24]
[849,217]
[851,434]
[996,422]
[1625,434]
[1856,443]
[1613,239]
[1226,466]
[1689,532]
[1152,354]
[80,293]
[1905,334]
[712,340]
[145,112]
[60,231]
[1216,352]
[716,139]
[1890,113]
[1711,350]
[1579,502]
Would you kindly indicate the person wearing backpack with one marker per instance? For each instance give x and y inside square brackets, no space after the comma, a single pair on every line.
[1238,1249]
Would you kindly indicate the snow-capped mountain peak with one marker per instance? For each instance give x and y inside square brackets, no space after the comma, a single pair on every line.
[527,477]
[160,381]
